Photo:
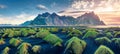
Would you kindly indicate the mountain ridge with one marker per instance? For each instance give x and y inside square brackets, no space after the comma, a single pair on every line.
[54,19]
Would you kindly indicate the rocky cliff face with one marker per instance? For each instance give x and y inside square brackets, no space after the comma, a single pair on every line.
[54,19]
[90,18]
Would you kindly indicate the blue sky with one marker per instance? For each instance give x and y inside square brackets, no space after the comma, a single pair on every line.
[19,11]
[13,7]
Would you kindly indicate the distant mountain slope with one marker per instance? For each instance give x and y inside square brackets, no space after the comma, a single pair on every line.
[54,19]
[90,18]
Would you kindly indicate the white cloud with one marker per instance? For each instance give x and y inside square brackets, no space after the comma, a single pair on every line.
[79,5]
[2,6]
[17,19]
[71,13]
[41,7]
[96,5]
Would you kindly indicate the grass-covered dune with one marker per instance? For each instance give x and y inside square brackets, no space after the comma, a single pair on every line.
[59,41]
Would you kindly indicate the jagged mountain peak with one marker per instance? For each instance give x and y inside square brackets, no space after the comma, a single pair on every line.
[89,15]
[54,14]
[46,14]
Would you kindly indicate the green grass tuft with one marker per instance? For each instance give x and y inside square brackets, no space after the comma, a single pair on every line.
[102,40]
[109,34]
[90,34]
[75,33]
[75,45]
[90,29]
[6,50]
[17,33]
[23,48]
[2,41]
[42,34]
[64,30]
[116,41]
[117,34]
[54,30]
[24,32]
[36,48]
[15,42]
[53,39]
[103,50]
[31,32]
[8,33]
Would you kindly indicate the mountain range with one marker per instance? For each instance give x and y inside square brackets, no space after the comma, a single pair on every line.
[53,19]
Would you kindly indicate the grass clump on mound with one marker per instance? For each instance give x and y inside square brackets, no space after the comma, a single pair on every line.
[2,41]
[8,33]
[6,50]
[24,32]
[17,33]
[90,34]
[75,46]
[2,30]
[90,29]
[117,34]
[27,32]
[42,34]
[31,32]
[64,30]
[11,33]
[103,50]
[53,39]
[116,41]
[15,42]
[36,48]
[23,48]
[109,34]
[75,33]
[54,30]
[102,40]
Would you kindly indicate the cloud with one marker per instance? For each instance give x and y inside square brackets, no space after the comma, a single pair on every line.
[96,5]
[41,7]
[2,6]
[80,5]
[17,19]
[61,11]
[71,11]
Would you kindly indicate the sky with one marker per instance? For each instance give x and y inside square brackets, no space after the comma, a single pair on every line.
[19,11]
